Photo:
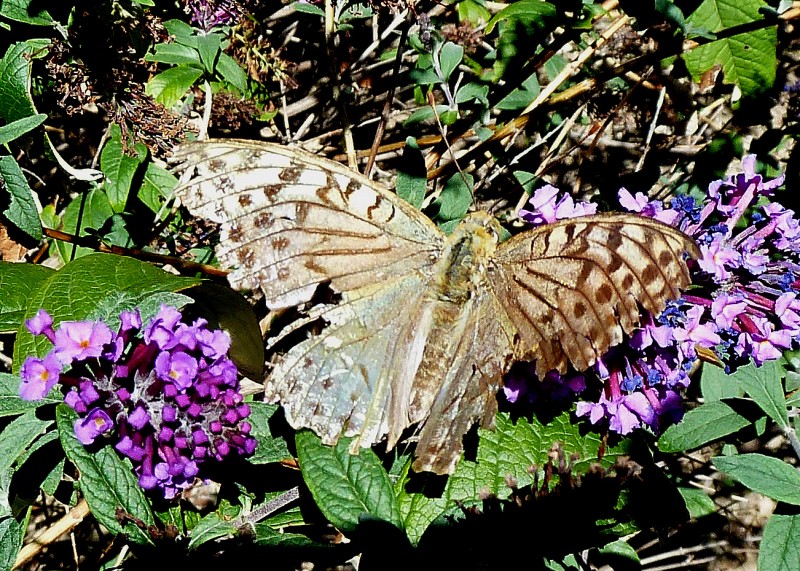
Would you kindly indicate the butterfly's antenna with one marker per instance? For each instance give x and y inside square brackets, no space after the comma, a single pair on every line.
[443,133]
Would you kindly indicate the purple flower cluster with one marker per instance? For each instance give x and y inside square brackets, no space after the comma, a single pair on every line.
[743,305]
[166,394]
[208,14]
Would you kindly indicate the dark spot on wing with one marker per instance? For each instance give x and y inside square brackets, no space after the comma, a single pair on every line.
[603,294]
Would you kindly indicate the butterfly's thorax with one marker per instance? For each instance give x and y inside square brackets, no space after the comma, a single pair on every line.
[461,269]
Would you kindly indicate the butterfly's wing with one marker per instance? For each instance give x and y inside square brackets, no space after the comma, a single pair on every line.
[291,221]
[572,288]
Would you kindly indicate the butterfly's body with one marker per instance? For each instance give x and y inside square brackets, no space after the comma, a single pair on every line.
[427,324]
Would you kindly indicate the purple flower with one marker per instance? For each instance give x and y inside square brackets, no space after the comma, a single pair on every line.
[39,376]
[94,424]
[80,340]
[547,207]
[41,324]
[178,368]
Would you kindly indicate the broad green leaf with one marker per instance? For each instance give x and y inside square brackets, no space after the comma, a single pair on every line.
[698,502]
[763,384]
[778,550]
[522,96]
[620,548]
[209,46]
[27,12]
[17,128]
[412,182]
[157,186]
[17,281]
[180,29]
[17,436]
[700,426]
[212,526]
[175,54]
[230,71]
[747,60]
[473,92]
[21,210]
[96,212]
[449,57]
[14,83]
[763,474]
[473,11]
[308,9]
[518,450]
[716,384]
[11,533]
[424,114]
[107,481]
[527,10]
[267,536]
[12,405]
[455,198]
[346,487]
[417,510]
[169,86]
[98,286]
[270,449]
[119,168]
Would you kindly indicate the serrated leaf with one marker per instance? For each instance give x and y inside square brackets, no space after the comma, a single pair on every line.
[526,10]
[17,281]
[748,60]
[11,404]
[449,57]
[107,481]
[10,542]
[763,474]
[119,168]
[230,71]
[346,487]
[707,422]
[778,550]
[14,82]
[270,449]
[211,527]
[169,86]
[455,198]
[21,210]
[763,384]
[514,447]
[698,502]
[27,12]
[17,436]
[417,510]
[19,127]
[98,286]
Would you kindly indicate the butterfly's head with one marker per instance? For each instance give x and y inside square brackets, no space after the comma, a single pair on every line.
[481,225]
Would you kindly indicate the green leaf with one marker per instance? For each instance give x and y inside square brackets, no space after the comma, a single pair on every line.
[417,510]
[308,9]
[119,168]
[522,96]
[763,474]
[526,10]
[424,114]
[707,422]
[515,448]
[747,60]
[266,536]
[716,384]
[169,86]
[698,502]
[21,210]
[346,487]
[17,128]
[17,436]
[27,12]
[270,449]
[455,198]
[449,57]
[473,11]
[411,188]
[763,384]
[11,533]
[209,46]
[180,29]
[230,71]
[14,80]
[175,54]
[98,286]
[212,526]
[157,185]
[620,548]
[96,211]
[778,550]
[107,481]
[473,92]
[12,405]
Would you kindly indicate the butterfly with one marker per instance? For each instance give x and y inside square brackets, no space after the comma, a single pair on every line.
[424,325]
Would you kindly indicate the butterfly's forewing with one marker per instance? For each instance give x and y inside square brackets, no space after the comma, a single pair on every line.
[572,288]
[291,220]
